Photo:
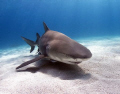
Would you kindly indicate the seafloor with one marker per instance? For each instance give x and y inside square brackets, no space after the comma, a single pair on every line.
[100,74]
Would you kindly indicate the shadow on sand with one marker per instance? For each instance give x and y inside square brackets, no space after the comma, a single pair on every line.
[58,69]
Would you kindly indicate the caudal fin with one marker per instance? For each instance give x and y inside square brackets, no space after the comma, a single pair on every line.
[31,61]
[30,42]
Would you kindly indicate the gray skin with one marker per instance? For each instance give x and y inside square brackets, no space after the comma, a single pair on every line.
[56,46]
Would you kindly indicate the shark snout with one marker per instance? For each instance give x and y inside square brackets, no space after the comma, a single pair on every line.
[82,54]
[87,55]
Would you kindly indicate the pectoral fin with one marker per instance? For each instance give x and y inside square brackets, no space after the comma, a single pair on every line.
[31,61]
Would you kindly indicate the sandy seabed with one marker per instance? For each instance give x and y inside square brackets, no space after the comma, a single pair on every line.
[98,75]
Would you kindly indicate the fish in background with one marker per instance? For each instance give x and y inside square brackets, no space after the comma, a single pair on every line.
[56,46]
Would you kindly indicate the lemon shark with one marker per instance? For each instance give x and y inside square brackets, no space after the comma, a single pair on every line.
[56,46]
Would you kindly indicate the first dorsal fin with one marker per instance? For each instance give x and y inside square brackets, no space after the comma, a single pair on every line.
[45,27]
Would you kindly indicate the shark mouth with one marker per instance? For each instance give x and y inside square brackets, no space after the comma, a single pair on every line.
[67,60]
[61,57]
[74,62]
[70,62]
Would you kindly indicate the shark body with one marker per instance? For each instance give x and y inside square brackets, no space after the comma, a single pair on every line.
[56,46]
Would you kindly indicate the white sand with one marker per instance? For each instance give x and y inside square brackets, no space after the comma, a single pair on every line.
[99,75]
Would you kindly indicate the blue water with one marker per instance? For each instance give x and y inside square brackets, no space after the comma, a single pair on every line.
[75,18]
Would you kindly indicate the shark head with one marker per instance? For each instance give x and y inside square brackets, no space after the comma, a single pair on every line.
[60,47]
